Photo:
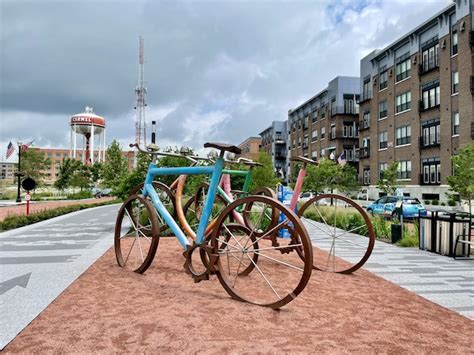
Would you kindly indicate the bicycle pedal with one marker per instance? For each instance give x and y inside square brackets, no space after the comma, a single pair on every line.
[201,277]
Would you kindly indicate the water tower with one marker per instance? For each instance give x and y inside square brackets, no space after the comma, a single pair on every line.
[91,131]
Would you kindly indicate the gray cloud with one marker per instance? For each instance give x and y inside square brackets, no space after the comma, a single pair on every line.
[215,70]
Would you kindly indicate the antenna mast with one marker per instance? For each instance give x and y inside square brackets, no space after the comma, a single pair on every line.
[140,90]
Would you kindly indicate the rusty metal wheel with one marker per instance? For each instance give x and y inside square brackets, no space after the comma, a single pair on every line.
[264,191]
[274,279]
[341,231]
[167,198]
[136,234]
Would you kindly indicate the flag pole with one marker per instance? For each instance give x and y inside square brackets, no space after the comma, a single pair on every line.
[18,197]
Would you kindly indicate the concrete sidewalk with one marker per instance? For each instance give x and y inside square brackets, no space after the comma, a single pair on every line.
[440,279]
[40,261]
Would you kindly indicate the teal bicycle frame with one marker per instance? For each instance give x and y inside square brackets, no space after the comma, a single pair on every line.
[215,171]
[245,188]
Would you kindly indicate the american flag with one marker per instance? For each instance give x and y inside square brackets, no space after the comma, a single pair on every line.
[342,159]
[24,147]
[10,149]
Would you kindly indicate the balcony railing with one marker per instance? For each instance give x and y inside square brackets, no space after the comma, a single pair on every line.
[424,145]
[364,152]
[422,70]
[364,124]
[280,155]
[367,95]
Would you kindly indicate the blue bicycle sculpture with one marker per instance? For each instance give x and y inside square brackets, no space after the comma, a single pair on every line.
[244,256]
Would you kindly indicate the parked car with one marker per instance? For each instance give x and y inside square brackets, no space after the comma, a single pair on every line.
[306,196]
[385,206]
[98,193]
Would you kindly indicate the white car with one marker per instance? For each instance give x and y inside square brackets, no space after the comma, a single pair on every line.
[306,196]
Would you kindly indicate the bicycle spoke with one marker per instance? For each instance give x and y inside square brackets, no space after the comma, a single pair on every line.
[280,262]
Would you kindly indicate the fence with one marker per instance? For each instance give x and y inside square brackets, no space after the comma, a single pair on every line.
[438,231]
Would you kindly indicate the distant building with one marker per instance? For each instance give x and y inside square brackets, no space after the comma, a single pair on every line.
[251,147]
[416,105]
[7,172]
[274,141]
[326,125]
[58,155]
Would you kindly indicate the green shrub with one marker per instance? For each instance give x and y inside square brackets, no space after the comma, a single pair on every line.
[435,202]
[443,203]
[410,237]
[80,195]
[381,228]
[451,203]
[427,202]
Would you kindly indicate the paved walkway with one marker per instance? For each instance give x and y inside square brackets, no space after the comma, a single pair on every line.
[40,261]
[7,210]
[440,279]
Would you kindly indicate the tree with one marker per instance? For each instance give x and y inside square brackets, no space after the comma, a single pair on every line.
[96,172]
[33,164]
[330,175]
[115,167]
[81,177]
[66,173]
[134,177]
[263,176]
[462,181]
[388,182]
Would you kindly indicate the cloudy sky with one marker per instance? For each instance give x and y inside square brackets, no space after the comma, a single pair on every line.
[215,70]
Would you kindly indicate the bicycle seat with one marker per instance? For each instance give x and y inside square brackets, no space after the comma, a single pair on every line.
[224,147]
[304,160]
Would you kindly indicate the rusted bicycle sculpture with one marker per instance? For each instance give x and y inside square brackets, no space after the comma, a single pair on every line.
[333,228]
[246,263]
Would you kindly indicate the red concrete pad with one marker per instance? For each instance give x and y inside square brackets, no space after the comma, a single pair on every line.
[110,310]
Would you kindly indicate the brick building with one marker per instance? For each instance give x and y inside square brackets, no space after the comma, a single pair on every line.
[274,142]
[416,104]
[7,171]
[251,147]
[326,125]
[57,156]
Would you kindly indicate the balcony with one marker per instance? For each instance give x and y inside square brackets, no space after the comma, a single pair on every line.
[364,152]
[428,69]
[367,95]
[280,155]
[425,145]
[279,139]
[422,181]
[364,124]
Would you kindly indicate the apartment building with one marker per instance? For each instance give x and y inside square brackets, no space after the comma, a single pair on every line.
[251,148]
[416,104]
[274,142]
[7,172]
[56,156]
[326,125]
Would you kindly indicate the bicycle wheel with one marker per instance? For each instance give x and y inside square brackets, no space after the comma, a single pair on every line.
[192,211]
[264,191]
[338,225]
[250,266]
[136,234]
[166,197]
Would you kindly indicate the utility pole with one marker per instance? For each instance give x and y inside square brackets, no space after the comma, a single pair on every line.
[140,90]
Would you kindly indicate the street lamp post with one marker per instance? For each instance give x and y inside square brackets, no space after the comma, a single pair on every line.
[18,197]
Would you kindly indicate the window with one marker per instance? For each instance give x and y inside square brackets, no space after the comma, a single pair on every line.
[430,93]
[403,135]
[383,140]
[323,132]
[314,155]
[382,168]
[314,116]
[347,131]
[431,171]
[454,43]
[366,89]
[382,109]
[333,106]
[455,123]
[383,78]
[366,176]
[403,102]
[351,104]
[305,141]
[314,135]
[404,169]
[333,131]
[365,120]
[455,82]
[294,143]
[306,122]
[299,141]
[431,133]
[403,67]
[430,54]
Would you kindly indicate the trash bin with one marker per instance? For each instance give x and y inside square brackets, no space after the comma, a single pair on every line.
[396,233]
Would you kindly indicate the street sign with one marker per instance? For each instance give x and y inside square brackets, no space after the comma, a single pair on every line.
[28,197]
[28,184]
